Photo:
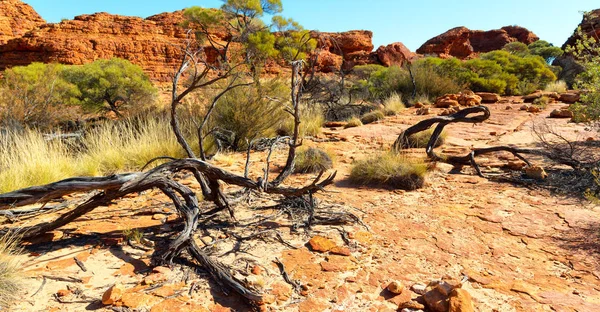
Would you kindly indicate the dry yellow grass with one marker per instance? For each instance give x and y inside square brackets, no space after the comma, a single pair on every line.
[390,170]
[10,270]
[27,158]
[311,160]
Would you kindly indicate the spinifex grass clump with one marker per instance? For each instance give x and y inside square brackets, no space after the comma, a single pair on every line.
[393,105]
[420,139]
[312,160]
[372,117]
[389,169]
[353,122]
[10,271]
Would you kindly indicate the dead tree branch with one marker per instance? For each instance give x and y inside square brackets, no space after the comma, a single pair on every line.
[469,159]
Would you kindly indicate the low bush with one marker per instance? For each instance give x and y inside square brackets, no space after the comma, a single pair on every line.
[250,112]
[393,104]
[372,117]
[390,170]
[353,122]
[312,160]
[421,139]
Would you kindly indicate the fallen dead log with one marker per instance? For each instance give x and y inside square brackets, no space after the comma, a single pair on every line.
[483,113]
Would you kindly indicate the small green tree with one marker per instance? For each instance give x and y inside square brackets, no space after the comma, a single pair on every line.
[36,96]
[115,85]
[545,49]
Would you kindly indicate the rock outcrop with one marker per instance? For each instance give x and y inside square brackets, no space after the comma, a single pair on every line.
[344,50]
[394,54]
[590,25]
[17,18]
[153,42]
[463,43]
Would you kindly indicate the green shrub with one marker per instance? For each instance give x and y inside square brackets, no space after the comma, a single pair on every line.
[311,123]
[558,86]
[384,82]
[250,112]
[372,117]
[353,122]
[420,139]
[312,160]
[36,96]
[390,170]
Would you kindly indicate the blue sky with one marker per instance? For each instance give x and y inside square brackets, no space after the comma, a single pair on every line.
[410,22]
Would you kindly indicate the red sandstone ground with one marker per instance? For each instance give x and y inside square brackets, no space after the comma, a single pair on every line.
[522,246]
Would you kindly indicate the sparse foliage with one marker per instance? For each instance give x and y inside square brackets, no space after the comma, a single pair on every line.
[36,96]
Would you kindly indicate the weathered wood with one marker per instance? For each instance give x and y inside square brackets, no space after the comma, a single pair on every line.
[469,159]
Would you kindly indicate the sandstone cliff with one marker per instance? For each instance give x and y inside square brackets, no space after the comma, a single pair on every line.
[463,43]
[17,18]
[152,42]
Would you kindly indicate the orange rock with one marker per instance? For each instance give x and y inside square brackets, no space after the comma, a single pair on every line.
[113,294]
[342,251]
[63,292]
[138,300]
[395,287]
[337,264]
[460,301]
[321,244]
[281,291]
[256,270]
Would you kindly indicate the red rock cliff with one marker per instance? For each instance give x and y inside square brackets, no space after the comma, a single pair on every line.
[153,43]
[17,18]
[461,42]
[590,25]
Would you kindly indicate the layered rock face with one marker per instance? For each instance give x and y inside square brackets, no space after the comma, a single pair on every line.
[17,18]
[463,43]
[153,43]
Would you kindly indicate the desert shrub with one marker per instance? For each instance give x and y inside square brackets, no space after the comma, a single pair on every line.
[115,85]
[27,158]
[36,96]
[558,86]
[311,122]
[133,234]
[250,112]
[353,122]
[499,71]
[542,101]
[10,271]
[312,160]
[423,99]
[365,71]
[393,104]
[516,48]
[386,81]
[420,139]
[390,170]
[372,117]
